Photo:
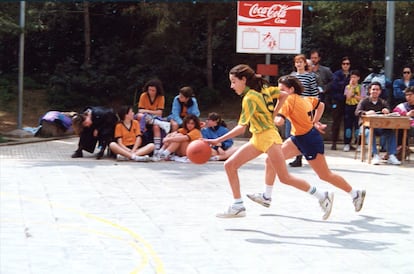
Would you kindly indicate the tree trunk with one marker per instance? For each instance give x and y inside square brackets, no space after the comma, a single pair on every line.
[209,64]
[87,33]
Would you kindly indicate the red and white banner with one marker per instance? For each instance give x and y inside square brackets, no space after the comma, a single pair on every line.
[269,27]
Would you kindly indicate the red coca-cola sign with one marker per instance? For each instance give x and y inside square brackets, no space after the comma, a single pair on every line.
[270,13]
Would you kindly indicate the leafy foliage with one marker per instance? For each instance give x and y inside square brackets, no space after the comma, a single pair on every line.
[132,42]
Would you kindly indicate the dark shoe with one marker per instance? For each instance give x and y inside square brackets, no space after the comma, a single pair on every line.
[77,154]
[333,147]
[383,149]
[297,162]
[100,154]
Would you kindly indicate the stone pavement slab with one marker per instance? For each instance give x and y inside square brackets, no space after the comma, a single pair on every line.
[64,215]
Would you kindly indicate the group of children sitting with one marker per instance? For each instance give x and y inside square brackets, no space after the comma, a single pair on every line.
[146,136]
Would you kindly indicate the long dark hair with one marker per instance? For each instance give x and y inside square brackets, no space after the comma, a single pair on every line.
[292,81]
[214,116]
[253,80]
[123,111]
[154,83]
[190,117]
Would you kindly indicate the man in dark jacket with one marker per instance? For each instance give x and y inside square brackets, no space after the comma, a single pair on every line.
[340,80]
[95,124]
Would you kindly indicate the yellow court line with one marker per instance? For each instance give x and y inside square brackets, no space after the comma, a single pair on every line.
[159,268]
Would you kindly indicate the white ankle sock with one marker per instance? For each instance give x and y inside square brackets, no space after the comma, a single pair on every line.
[317,193]
[268,192]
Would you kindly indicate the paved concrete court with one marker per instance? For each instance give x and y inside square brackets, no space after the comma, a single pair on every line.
[64,215]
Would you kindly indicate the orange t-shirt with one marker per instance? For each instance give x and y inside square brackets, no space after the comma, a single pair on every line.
[194,134]
[146,103]
[128,136]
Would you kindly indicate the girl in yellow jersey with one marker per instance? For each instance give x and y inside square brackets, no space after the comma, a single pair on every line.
[304,113]
[257,110]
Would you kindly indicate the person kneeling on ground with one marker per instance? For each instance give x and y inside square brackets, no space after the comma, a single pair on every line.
[93,125]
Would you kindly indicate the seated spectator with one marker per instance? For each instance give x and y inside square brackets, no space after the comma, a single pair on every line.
[406,109]
[93,125]
[401,84]
[177,141]
[183,104]
[216,127]
[128,138]
[369,106]
[55,123]
[150,107]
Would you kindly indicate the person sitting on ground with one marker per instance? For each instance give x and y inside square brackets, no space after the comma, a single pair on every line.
[177,141]
[93,125]
[183,104]
[150,107]
[216,127]
[406,109]
[372,105]
[128,138]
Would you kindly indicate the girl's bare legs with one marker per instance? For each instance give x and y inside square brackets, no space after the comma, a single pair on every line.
[275,165]
[245,153]
[288,150]
[145,150]
[278,166]
[321,168]
[117,149]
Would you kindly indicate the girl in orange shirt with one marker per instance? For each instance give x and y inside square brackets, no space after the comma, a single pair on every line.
[129,138]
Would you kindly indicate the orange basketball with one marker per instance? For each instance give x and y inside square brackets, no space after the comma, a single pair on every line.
[199,152]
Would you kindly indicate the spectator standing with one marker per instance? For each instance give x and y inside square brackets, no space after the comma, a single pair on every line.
[324,73]
[372,105]
[378,75]
[183,104]
[399,85]
[354,92]
[337,98]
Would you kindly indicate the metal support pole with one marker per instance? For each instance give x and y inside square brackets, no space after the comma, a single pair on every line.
[268,56]
[389,40]
[21,65]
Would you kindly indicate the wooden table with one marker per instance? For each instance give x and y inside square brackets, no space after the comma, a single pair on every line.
[383,121]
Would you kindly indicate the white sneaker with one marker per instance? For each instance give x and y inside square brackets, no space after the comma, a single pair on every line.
[376,160]
[233,212]
[393,160]
[166,126]
[347,148]
[119,157]
[144,158]
[326,204]
[359,200]
[260,199]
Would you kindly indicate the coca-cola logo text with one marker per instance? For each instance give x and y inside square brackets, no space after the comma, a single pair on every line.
[276,11]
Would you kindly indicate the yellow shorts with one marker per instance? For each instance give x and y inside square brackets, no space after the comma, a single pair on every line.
[265,139]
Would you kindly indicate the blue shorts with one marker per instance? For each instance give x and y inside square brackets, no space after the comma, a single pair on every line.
[310,144]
